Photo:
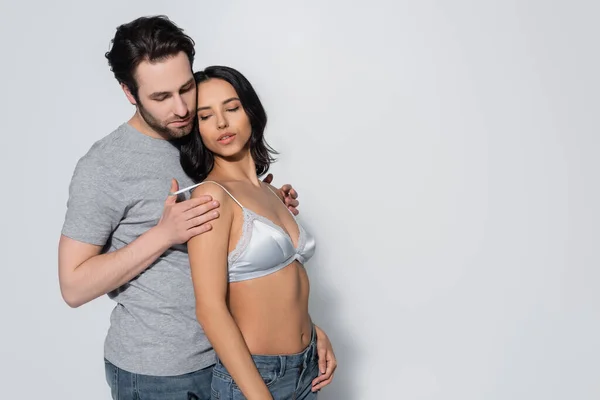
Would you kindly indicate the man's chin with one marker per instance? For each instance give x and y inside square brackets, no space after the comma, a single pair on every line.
[179,133]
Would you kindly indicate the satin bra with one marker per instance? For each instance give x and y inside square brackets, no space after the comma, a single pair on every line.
[264,247]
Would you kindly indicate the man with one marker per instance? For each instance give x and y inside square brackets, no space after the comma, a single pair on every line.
[122,238]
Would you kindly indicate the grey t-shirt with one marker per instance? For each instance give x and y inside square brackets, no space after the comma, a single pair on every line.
[117,193]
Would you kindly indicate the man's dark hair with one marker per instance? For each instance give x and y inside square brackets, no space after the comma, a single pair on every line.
[145,39]
[197,161]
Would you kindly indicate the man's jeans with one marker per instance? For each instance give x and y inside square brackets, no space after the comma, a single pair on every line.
[128,386]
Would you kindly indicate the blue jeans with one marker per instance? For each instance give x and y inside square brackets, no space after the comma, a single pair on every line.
[287,376]
[129,386]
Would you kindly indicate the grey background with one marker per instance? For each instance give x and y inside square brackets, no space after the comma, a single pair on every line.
[446,158]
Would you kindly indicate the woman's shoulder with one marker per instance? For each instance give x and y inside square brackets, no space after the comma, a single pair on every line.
[217,190]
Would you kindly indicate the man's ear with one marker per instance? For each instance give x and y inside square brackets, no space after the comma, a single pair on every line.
[128,94]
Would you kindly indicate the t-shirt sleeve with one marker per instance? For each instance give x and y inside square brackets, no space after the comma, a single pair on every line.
[93,209]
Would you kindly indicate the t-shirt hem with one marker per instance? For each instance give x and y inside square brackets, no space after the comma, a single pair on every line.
[199,363]
[95,240]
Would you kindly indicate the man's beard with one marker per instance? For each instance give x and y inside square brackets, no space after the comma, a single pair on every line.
[164,130]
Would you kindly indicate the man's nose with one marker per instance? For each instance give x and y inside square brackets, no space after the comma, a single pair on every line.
[180,107]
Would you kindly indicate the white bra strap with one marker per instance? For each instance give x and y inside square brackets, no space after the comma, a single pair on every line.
[184,189]
[226,191]
[276,195]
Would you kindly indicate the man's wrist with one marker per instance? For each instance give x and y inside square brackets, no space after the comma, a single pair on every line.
[157,236]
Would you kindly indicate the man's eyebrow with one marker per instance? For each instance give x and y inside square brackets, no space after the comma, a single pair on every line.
[225,102]
[159,94]
[188,83]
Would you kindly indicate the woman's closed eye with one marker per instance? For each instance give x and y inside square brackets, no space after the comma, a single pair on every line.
[204,117]
[233,109]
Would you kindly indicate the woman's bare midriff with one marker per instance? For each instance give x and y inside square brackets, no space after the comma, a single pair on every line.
[272,311]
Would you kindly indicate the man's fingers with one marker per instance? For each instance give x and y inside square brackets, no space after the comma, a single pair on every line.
[205,198]
[294,210]
[268,178]
[286,189]
[202,218]
[199,230]
[199,210]
[192,205]
[290,195]
[171,198]
[291,202]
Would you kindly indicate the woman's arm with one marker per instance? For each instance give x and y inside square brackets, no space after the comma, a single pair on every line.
[208,260]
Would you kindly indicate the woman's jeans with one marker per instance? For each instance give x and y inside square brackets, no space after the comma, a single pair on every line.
[287,377]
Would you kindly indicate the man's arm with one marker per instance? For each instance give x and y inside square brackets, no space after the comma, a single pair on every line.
[85,274]
[208,261]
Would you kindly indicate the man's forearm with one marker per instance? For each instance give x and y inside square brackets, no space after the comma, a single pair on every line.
[106,272]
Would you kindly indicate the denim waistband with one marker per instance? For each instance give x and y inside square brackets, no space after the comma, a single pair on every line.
[282,362]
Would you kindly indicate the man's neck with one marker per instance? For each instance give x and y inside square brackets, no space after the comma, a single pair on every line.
[138,123]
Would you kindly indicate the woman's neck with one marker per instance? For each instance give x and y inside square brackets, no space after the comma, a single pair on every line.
[239,168]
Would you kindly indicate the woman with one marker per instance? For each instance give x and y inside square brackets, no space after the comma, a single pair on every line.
[250,284]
